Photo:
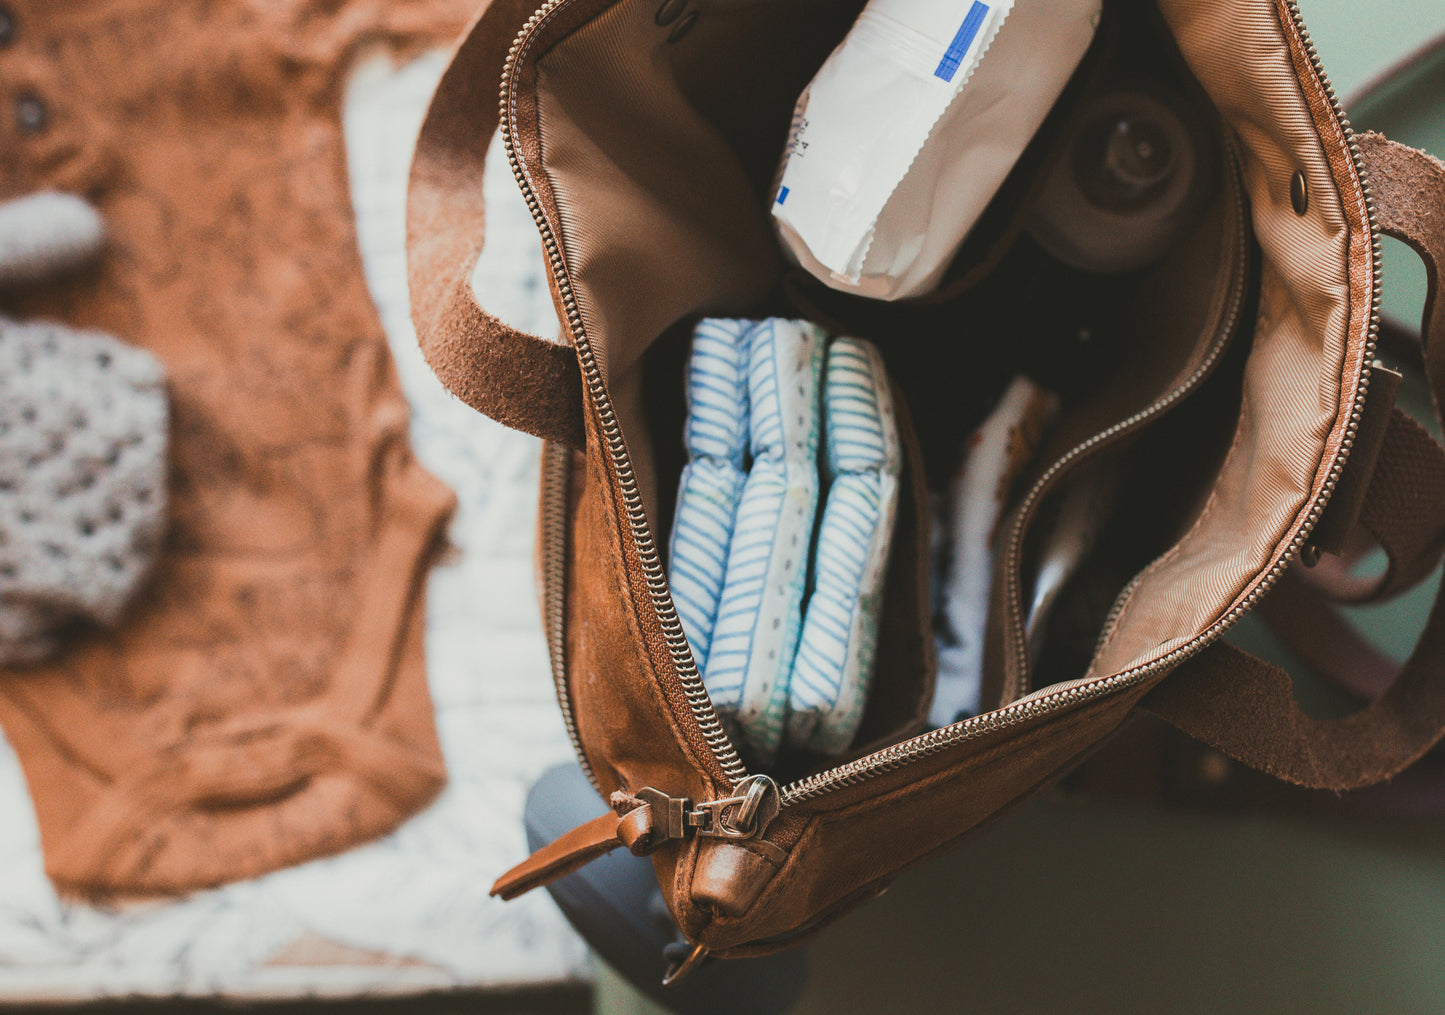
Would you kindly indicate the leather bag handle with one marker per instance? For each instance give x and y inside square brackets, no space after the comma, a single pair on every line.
[1403,513]
[1244,706]
[524,382]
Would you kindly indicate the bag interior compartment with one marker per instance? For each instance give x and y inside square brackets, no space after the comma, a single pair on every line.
[1155,484]
[904,664]
[658,156]
[1163,474]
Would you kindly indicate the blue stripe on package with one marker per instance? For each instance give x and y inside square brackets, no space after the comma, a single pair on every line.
[832,672]
[760,614]
[962,41]
[716,439]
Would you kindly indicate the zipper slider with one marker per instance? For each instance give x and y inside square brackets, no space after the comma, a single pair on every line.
[642,822]
[745,815]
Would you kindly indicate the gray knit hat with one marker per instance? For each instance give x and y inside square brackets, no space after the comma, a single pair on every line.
[83,437]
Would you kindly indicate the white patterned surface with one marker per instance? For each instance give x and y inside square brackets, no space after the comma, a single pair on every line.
[410,912]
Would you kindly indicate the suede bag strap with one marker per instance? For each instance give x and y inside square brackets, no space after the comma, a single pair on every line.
[1404,509]
[1409,191]
[1306,622]
[1401,511]
[1404,513]
[1246,707]
[524,382]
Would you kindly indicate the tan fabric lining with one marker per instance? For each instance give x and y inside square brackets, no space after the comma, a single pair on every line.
[1291,411]
[626,140]
[632,138]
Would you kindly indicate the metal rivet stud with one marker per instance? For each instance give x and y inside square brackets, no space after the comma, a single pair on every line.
[682,27]
[7,26]
[670,11]
[30,113]
[1299,192]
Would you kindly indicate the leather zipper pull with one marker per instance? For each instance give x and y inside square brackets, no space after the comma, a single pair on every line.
[643,822]
[561,857]
[637,822]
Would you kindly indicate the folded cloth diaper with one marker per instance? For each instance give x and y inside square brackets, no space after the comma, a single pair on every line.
[840,628]
[783,625]
[760,612]
[998,451]
[716,439]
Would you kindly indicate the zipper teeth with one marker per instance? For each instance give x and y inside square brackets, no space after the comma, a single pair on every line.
[556,485]
[1117,609]
[1014,597]
[918,748]
[679,651]
[1376,280]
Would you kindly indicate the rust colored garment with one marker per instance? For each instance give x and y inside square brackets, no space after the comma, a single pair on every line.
[265,701]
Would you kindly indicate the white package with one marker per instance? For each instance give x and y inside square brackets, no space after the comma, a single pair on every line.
[908,129]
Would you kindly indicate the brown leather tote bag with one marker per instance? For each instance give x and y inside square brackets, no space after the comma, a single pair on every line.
[644,134]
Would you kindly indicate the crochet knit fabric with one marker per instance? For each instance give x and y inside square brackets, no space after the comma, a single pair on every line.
[265,700]
[82,480]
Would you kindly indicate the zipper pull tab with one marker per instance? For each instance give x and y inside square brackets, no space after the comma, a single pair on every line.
[577,848]
[642,822]
[745,815]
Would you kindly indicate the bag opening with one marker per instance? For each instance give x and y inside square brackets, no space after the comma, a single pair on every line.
[659,157]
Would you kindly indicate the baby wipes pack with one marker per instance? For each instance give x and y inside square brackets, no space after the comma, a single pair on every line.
[908,129]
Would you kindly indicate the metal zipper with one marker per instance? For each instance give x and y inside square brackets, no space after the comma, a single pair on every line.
[555,501]
[1071,696]
[744,815]
[1024,514]
[930,743]
[936,740]
[679,651]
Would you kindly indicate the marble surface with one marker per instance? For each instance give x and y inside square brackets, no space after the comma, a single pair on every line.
[410,912]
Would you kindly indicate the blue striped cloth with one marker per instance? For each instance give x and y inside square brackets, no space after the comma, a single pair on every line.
[716,438]
[759,395]
[760,615]
[834,664]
